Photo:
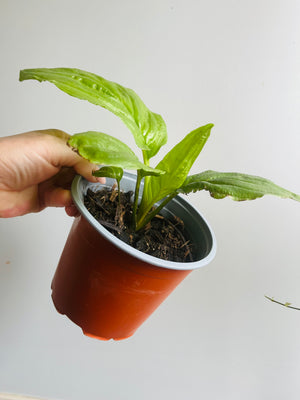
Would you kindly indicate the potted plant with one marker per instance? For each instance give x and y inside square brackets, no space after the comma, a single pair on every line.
[114,271]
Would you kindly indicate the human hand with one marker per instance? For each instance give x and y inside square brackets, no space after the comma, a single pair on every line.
[36,171]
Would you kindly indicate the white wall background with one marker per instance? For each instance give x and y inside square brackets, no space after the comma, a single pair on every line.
[233,63]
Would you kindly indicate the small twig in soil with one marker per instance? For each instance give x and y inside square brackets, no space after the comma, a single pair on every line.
[109,225]
[98,204]
[188,252]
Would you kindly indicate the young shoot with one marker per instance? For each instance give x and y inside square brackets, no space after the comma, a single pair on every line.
[111,172]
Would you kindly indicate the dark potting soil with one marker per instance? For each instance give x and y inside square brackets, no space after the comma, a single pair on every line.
[161,237]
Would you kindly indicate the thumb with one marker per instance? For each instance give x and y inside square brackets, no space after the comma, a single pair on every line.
[85,169]
[61,155]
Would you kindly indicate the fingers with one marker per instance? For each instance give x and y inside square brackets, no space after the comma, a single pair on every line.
[37,170]
[72,211]
[85,169]
[59,197]
[55,197]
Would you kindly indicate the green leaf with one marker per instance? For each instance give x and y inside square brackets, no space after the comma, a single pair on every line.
[109,172]
[177,164]
[100,148]
[238,186]
[148,128]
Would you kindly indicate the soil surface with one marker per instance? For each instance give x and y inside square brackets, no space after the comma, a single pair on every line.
[160,238]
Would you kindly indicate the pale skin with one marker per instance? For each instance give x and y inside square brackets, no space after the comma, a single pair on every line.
[36,171]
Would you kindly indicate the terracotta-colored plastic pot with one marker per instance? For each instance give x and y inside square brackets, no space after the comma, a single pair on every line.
[109,288]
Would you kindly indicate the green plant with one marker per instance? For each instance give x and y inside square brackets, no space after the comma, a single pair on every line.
[170,176]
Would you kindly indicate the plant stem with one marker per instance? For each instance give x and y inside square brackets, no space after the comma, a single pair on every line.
[119,191]
[136,199]
[288,305]
[148,217]
[145,158]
